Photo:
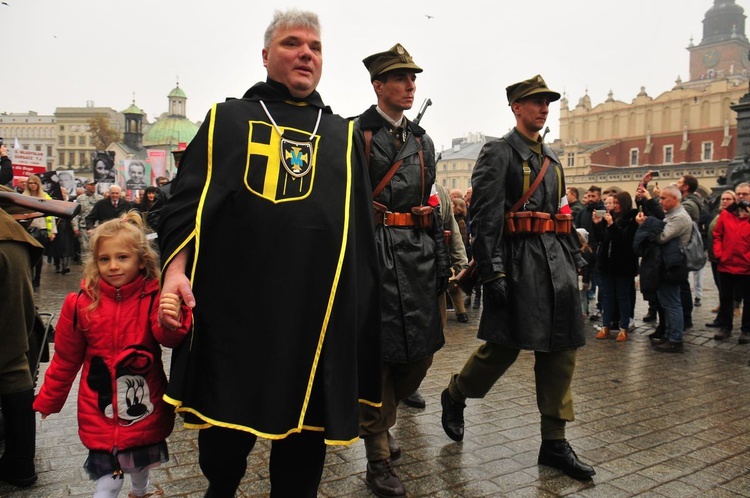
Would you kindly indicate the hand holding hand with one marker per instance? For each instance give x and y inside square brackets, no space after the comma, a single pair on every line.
[169,306]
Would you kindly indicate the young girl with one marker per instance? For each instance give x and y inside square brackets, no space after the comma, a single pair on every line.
[111,328]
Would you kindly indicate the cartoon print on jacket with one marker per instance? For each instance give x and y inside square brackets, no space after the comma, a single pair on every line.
[133,392]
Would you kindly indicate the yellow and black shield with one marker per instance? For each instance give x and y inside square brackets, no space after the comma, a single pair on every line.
[279,169]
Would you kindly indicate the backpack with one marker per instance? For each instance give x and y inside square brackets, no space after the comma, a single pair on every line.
[695,256]
[704,220]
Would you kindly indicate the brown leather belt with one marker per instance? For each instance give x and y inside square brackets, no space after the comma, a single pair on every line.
[398,219]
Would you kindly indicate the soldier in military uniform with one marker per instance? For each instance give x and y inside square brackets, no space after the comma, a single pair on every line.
[87,201]
[414,266]
[529,278]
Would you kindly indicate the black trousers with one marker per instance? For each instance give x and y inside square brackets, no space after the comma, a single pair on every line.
[730,286]
[296,464]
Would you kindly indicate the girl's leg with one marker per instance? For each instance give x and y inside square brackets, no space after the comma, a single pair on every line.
[139,483]
[106,487]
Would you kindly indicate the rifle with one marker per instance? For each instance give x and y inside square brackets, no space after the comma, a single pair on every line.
[427,103]
[41,207]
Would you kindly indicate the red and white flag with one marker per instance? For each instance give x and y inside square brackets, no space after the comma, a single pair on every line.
[433,200]
[564,207]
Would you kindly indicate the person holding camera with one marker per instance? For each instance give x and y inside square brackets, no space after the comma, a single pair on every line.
[731,245]
[6,167]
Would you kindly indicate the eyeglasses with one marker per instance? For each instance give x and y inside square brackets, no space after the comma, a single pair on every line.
[742,194]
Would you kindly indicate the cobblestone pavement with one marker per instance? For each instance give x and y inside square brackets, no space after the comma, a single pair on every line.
[652,424]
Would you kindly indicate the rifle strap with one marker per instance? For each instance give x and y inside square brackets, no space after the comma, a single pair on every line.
[526,195]
[387,178]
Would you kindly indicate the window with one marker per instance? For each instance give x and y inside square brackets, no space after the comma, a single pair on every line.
[445,182]
[708,151]
[453,182]
[454,168]
[38,148]
[668,154]
[62,157]
[82,159]
[61,140]
[82,140]
[634,157]
[49,151]
[71,140]
[71,158]
[571,159]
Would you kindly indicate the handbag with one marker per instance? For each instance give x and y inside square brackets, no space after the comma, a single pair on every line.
[40,235]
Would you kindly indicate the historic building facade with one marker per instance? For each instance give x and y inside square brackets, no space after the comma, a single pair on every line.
[690,129]
[34,132]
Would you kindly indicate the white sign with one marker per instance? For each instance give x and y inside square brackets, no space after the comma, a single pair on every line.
[22,157]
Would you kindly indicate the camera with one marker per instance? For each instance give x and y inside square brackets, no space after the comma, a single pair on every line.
[743,204]
[654,174]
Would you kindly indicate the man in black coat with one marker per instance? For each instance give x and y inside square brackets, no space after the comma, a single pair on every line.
[530,277]
[414,265]
[111,207]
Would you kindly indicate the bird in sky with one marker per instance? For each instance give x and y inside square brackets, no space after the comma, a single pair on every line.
[428,16]
[6,4]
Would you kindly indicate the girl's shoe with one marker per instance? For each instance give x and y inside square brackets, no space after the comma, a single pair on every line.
[622,336]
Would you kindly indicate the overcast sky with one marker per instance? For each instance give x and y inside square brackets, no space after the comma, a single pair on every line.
[61,53]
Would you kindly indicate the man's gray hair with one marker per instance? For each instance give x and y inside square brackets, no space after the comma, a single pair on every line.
[291,18]
[673,191]
[743,185]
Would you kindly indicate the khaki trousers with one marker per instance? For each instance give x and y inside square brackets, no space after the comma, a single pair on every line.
[553,373]
[399,381]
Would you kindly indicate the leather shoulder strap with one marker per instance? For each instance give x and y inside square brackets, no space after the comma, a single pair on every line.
[526,195]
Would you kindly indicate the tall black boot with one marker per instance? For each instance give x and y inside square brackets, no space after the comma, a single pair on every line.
[17,462]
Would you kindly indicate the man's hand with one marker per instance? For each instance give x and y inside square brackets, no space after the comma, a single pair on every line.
[442,285]
[640,217]
[176,283]
[497,292]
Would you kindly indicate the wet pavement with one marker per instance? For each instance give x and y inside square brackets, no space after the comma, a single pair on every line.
[652,424]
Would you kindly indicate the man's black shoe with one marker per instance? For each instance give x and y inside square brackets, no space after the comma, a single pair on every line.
[713,325]
[649,317]
[382,479]
[393,447]
[558,454]
[658,340]
[657,335]
[744,338]
[415,400]
[697,302]
[453,416]
[723,333]
[669,347]
[462,317]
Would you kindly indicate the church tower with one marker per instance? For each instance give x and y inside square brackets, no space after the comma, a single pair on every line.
[724,49]
[133,135]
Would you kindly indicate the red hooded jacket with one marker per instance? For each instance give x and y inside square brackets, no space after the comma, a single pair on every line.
[732,242]
[120,401]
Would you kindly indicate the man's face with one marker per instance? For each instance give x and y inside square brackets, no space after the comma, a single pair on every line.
[531,113]
[22,184]
[571,196]
[295,59]
[114,193]
[743,194]
[681,185]
[66,181]
[137,172]
[668,202]
[594,196]
[397,93]
[90,188]
[467,197]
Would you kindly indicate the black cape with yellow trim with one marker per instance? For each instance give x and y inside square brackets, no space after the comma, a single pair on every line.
[283,267]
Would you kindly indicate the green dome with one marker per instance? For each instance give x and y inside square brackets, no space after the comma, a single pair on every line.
[170,130]
[133,109]
[177,92]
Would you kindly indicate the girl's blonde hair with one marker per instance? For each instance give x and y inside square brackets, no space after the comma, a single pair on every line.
[130,228]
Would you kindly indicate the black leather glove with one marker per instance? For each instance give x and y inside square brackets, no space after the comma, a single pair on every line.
[496,292]
[442,285]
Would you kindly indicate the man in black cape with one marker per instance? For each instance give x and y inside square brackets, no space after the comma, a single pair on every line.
[270,224]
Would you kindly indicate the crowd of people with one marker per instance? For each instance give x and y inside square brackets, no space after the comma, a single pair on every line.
[367,250]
